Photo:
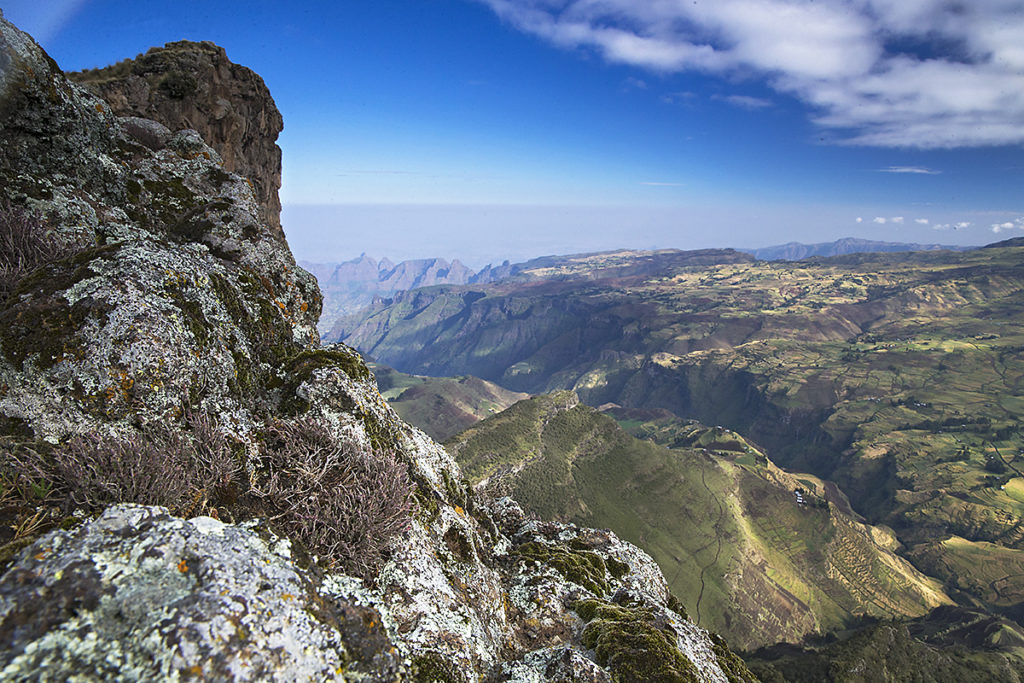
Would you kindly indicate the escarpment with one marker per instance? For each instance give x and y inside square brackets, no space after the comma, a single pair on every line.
[194,488]
[186,84]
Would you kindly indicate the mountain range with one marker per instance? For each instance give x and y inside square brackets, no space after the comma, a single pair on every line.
[352,285]
[796,251]
[896,377]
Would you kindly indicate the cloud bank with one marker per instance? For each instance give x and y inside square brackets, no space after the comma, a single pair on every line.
[1016,224]
[888,73]
[918,170]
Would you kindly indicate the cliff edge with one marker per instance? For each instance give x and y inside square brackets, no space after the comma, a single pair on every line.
[186,84]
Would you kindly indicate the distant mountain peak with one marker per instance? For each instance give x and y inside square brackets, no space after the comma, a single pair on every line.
[796,251]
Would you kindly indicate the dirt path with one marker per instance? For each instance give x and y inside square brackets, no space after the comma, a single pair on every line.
[718,540]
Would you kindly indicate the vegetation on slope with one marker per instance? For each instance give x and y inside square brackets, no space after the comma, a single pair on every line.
[749,557]
[949,644]
[442,406]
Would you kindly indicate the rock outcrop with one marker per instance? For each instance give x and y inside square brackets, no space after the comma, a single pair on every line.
[194,85]
[172,358]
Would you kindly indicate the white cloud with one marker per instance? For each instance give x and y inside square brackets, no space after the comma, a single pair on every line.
[882,220]
[744,101]
[890,73]
[1017,224]
[859,219]
[679,97]
[921,221]
[920,170]
[962,225]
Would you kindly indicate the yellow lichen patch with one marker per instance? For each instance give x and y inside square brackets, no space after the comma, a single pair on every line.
[665,360]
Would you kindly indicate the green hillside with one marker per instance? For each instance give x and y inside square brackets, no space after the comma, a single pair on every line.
[899,377]
[950,644]
[748,557]
[442,406]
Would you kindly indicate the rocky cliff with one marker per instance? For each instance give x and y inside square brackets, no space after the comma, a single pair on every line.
[194,85]
[193,488]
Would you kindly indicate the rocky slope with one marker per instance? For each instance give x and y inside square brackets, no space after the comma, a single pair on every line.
[194,85]
[193,488]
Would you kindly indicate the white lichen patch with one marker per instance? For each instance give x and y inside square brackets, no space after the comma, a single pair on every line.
[139,595]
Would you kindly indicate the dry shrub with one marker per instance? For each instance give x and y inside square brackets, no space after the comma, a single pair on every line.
[25,244]
[341,500]
[185,471]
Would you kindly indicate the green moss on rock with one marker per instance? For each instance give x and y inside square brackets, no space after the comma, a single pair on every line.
[431,667]
[632,644]
[582,567]
[459,492]
[735,670]
[46,327]
[61,275]
[164,204]
[191,314]
[428,507]
[300,367]
[676,606]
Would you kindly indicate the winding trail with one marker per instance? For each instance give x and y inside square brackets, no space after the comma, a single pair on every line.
[718,538]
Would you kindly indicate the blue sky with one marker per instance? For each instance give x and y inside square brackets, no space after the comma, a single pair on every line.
[493,129]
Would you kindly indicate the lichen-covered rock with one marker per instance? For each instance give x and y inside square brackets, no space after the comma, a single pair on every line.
[194,85]
[182,312]
[139,595]
[186,297]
